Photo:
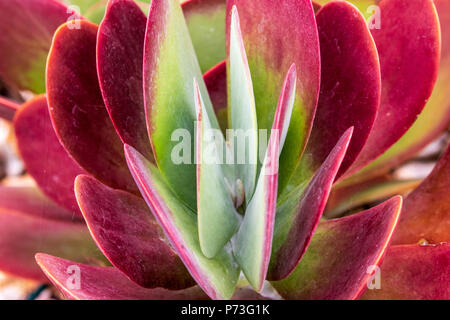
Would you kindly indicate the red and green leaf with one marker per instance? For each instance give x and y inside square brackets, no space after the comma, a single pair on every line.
[341,252]
[76,107]
[170,64]
[297,218]
[27,27]
[217,276]
[120,45]
[414,272]
[270,53]
[253,243]
[45,158]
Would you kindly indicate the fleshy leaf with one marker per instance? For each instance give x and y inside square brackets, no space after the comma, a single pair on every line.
[45,158]
[105,283]
[434,118]
[350,86]
[253,244]
[23,235]
[426,212]
[129,236]
[243,110]
[8,108]
[216,83]
[341,253]
[414,272]
[270,53]
[295,225]
[206,23]
[120,45]
[79,116]
[217,218]
[408,45]
[217,276]
[31,201]
[170,65]
[27,27]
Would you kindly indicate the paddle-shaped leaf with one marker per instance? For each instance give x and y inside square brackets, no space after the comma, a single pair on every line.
[342,254]
[408,45]
[295,224]
[253,244]
[277,34]
[242,111]
[103,283]
[349,90]
[170,65]
[129,236]
[8,108]
[206,23]
[23,235]
[27,27]
[217,218]
[45,158]
[434,118]
[120,46]
[414,272]
[79,116]
[217,276]
[426,212]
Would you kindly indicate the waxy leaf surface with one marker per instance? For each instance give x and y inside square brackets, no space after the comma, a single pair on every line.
[277,34]
[120,46]
[170,65]
[106,283]
[295,224]
[27,28]
[335,266]
[45,158]
[414,272]
[127,233]
[79,116]
[217,218]
[217,276]
[253,244]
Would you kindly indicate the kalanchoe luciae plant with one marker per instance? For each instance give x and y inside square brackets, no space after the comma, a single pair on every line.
[333,94]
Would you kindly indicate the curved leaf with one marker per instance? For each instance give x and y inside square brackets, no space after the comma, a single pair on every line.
[414,272]
[217,276]
[103,283]
[253,243]
[120,45]
[217,218]
[295,225]
[350,86]
[341,255]
[408,45]
[270,53]
[45,158]
[129,236]
[242,110]
[76,107]
[170,65]
[27,27]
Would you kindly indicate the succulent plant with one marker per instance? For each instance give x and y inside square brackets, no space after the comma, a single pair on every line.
[130,121]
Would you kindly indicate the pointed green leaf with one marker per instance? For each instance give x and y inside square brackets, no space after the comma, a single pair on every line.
[170,65]
[217,276]
[254,240]
[243,110]
[217,217]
